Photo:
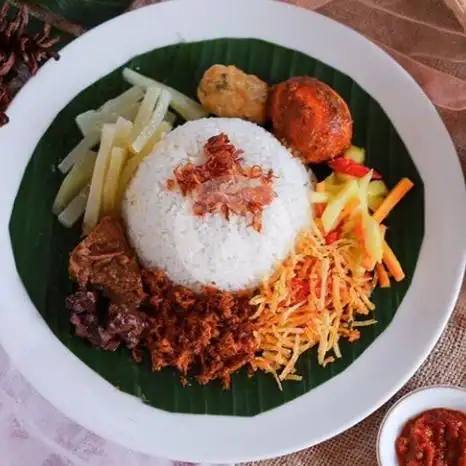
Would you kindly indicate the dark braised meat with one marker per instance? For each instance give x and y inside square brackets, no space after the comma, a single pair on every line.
[103,327]
[105,261]
[127,324]
[87,321]
[82,302]
[208,334]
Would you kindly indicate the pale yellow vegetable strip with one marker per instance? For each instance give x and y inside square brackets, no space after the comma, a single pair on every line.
[80,151]
[377,188]
[352,205]
[337,204]
[145,111]
[188,108]
[318,197]
[393,198]
[356,154]
[133,163]
[372,239]
[123,105]
[93,207]
[75,209]
[320,187]
[392,263]
[153,125]
[123,130]
[374,202]
[112,179]
[79,176]
[163,129]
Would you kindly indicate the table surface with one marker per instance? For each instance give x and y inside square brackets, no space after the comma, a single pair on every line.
[426,38]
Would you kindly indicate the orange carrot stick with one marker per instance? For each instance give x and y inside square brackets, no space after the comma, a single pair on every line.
[392,263]
[393,198]
[382,276]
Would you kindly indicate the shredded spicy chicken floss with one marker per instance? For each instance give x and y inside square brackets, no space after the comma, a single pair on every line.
[207,335]
[222,184]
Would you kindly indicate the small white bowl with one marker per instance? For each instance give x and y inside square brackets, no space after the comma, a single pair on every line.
[412,404]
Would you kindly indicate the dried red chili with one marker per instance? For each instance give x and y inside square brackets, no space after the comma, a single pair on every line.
[17,46]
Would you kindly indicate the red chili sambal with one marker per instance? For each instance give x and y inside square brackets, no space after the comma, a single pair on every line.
[436,437]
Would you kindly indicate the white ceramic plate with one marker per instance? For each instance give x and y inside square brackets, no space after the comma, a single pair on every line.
[332,407]
[411,405]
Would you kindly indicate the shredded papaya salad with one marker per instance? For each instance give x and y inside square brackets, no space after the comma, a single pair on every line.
[322,291]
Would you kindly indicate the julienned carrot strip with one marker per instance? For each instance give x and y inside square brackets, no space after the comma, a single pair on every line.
[392,263]
[382,276]
[395,196]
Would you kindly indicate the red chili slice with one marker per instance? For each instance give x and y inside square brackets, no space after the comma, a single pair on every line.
[333,236]
[349,167]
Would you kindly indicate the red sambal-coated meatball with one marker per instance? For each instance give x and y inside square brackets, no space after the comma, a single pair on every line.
[310,118]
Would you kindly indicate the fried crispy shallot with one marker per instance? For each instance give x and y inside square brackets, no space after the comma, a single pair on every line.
[222,184]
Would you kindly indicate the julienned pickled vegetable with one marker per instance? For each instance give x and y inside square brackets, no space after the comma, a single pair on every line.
[356,154]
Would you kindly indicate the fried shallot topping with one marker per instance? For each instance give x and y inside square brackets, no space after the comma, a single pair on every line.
[222,184]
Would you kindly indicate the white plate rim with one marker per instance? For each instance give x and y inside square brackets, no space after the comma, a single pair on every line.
[124,419]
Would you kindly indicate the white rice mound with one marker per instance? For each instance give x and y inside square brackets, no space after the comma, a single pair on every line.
[210,250]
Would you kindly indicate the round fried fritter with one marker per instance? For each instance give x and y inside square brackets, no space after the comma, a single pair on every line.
[310,118]
[226,91]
